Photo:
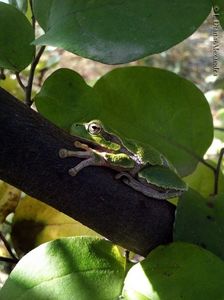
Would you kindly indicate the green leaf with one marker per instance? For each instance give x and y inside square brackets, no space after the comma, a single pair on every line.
[16,53]
[20,4]
[158,108]
[178,271]
[69,268]
[59,97]
[35,223]
[202,180]
[218,8]
[148,105]
[118,31]
[201,221]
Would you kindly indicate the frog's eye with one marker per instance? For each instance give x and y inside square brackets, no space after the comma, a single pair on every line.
[94,128]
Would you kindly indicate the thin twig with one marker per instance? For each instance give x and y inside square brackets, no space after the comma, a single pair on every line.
[36,59]
[28,100]
[9,260]
[2,74]
[7,246]
[219,128]
[203,161]
[216,185]
[22,85]
[32,17]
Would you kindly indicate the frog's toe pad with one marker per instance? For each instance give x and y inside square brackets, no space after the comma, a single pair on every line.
[72,172]
[63,153]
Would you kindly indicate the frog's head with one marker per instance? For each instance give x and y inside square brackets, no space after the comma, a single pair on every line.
[95,131]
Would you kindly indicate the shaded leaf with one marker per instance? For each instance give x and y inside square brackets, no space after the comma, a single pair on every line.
[69,268]
[20,4]
[60,95]
[178,271]
[16,53]
[118,31]
[201,221]
[35,223]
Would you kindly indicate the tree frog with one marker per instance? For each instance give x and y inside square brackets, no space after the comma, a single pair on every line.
[140,166]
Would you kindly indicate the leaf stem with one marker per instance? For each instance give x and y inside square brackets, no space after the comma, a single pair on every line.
[207,164]
[32,17]
[28,88]
[9,259]
[2,74]
[217,172]
[28,100]
[22,85]
[8,247]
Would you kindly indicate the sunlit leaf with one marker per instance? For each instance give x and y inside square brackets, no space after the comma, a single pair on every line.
[202,180]
[11,85]
[69,268]
[178,271]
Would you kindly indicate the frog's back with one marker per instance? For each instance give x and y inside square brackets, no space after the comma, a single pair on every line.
[146,153]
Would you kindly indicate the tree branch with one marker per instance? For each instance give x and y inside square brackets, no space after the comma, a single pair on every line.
[29,160]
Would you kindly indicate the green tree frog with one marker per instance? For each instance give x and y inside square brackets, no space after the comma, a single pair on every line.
[140,166]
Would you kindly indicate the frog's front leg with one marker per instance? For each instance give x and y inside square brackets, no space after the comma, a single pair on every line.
[91,158]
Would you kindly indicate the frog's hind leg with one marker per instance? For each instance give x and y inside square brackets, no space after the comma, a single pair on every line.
[146,190]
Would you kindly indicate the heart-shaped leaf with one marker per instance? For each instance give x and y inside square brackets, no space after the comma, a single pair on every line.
[70,268]
[148,105]
[16,51]
[118,31]
[179,271]
[60,95]
[201,221]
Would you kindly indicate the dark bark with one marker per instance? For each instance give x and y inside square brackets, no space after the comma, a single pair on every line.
[29,160]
